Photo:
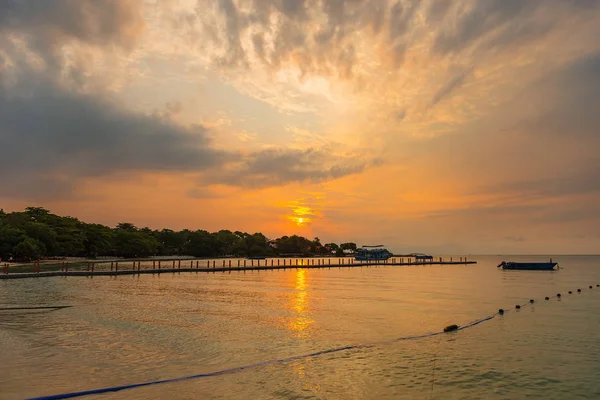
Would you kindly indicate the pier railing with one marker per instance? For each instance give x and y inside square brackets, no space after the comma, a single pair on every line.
[119,267]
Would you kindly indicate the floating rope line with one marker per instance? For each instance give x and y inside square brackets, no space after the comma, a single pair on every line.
[279,361]
[34,308]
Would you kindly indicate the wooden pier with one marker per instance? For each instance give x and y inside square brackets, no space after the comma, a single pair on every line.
[135,267]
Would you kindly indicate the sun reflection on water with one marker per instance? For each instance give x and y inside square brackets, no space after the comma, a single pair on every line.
[301,322]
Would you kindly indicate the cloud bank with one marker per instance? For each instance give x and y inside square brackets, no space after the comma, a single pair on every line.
[57,130]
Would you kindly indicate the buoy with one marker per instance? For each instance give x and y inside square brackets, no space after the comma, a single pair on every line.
[558,295]
[570,292]
[501,311]
[451,328]
[579,290]
[531,301]
[590,286]
[547,298]
[517,306]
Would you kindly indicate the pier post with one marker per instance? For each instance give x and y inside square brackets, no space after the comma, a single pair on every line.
[179,264]
[229,263]
[93,265]
[244,263]
[116,266]
[173,264]
[224,264]
[278,262]
[214,264]
[159,265]
[153,264]
[238,263]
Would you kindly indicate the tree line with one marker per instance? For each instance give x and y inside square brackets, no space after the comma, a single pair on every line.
[35,233]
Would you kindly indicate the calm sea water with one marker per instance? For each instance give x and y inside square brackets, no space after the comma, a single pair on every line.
[132,329]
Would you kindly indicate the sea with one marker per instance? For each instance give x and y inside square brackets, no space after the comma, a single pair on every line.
[330,333]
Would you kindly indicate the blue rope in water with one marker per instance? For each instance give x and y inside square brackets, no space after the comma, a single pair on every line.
[245,367]
[262,364]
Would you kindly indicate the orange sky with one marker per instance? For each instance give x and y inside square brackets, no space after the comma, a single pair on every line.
[434,126]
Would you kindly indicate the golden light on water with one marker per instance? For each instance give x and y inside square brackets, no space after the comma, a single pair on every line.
[301,322]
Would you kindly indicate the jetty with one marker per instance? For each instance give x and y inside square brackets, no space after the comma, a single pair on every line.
[133,267]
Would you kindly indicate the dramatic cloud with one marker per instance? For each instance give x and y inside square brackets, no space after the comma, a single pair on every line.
[274,167]
[49,23]
[491,25]
[59,133]
[55,135]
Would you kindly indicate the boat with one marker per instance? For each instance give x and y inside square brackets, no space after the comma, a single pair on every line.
[528,266]
[369,253]
[420,256]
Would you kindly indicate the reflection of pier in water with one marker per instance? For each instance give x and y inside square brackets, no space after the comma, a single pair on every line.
[222,265]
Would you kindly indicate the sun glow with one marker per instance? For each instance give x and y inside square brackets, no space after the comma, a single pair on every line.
[302,212]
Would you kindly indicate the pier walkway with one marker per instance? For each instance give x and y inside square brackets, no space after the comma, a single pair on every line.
[222,265]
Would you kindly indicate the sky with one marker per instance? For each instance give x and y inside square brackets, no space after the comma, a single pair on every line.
[464,127]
